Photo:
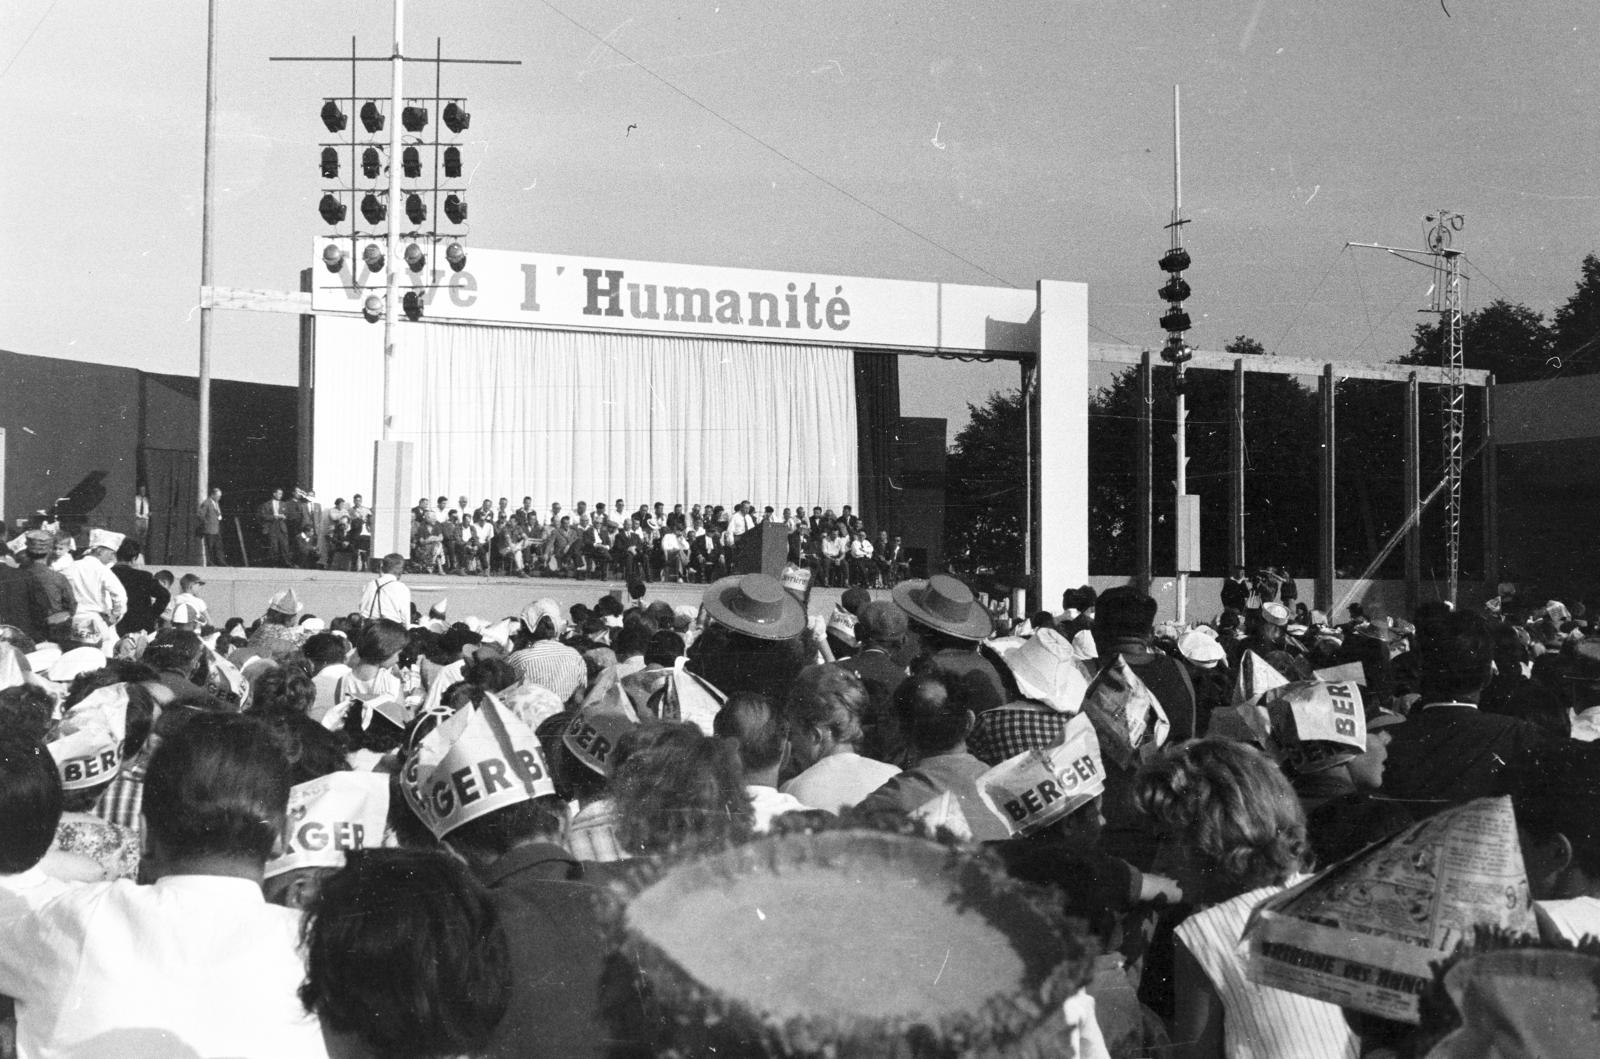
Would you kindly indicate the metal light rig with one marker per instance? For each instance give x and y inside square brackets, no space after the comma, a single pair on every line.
[1445,262]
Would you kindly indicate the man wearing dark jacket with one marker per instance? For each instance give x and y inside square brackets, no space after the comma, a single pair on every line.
[147,597]
[1449,751]
[1236,590]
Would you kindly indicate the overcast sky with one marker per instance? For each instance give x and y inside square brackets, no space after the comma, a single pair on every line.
[1007,142]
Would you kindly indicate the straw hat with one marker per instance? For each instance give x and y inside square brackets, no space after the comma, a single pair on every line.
[755,605]
[945,605]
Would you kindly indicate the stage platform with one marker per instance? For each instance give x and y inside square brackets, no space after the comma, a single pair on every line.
[232,591]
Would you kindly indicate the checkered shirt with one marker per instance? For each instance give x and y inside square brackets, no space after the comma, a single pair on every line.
[1009,730]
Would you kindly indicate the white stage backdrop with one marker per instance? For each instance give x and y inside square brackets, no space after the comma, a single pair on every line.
[567,416]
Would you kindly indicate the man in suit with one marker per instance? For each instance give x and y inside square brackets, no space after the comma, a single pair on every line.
[1449,751]
[210,516]
[274,518]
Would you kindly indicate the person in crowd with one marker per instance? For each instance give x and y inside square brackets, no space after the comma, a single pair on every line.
[823,711]
[360,533]
[30,806]
[832,557]
[1240,835]
[273,518]
[406,958]
[863,570]
[51,600]
[684,791]
[208,518]
[387,596]
[147,599]
[755,727]
[335,534]
[277,635]
[87,971]
[933,710]
[102,601]
[187,594]
[1124,625]
[754,640]
[881,633]
[1236,590]
[949,623]
[141,511]
[1449,751]
[375,674]
[1034,715]
[1558,823]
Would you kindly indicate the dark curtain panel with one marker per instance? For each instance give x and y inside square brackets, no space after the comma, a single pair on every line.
[877,415]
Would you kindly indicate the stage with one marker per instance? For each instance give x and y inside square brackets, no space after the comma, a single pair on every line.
[232,591]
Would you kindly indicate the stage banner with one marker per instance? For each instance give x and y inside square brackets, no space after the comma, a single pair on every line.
[651,297]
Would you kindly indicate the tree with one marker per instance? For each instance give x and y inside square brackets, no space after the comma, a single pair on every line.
[985,499]
[1510,340]
[1280,458]
[1577,324]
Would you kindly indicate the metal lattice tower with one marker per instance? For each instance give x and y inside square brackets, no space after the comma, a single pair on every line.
[1447,303]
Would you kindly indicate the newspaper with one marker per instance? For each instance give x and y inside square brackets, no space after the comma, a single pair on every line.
[1363,933]
[1126,715]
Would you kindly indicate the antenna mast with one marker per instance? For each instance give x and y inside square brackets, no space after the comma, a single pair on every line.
[1445,261]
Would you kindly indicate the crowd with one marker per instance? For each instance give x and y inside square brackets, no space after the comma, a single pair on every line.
[647,544]
[560,833]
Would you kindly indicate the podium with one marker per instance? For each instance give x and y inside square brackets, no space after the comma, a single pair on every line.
[762,550]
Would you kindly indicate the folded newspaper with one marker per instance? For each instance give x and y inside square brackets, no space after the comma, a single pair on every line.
[1363,933]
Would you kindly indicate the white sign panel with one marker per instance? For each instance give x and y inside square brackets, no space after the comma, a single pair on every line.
[593,293]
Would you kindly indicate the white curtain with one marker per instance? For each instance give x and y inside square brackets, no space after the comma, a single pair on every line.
[568,416]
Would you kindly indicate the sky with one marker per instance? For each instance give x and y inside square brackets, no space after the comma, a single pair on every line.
[917,139]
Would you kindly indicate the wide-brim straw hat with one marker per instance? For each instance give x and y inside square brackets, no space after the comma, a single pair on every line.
[945,605]
[755,605]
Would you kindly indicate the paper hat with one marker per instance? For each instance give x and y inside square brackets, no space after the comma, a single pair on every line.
[842,626]
[602,719]
[1127,716]
[74,663]
[1349,673]
[688,697]
[543,608]
[284,602]
[1201,648]
[1367,932]
[532,704]
[104,538]
[18,544]
[1256,678]
[1275,614]
[13,667]
[480,760]
[440,609]
[42,657]
[88,745]
[1035,789]
[797,580]
[385,709]
[39,543]
[184,614]
[1047,670]
[331,816]
[1313,726]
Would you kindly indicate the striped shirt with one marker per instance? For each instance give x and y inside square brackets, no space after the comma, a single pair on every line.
[1260,1022]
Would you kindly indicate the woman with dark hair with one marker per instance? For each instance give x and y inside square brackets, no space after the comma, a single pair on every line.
[405,958]
[1241,837]
[30,808]
[378,647]
[197,963]
[283,689]
[933,714]
[684,791]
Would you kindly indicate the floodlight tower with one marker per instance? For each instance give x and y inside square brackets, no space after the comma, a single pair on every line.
[1445,262]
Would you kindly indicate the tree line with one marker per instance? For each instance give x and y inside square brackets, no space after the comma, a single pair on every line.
[986,473]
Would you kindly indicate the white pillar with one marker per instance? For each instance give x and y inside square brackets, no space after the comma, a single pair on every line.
[1063,532]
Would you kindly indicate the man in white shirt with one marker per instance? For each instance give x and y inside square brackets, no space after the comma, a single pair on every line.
[186,594]
[197,964]
[862,568]
[386,596]
[742,520]
[102,599]
[763,741]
